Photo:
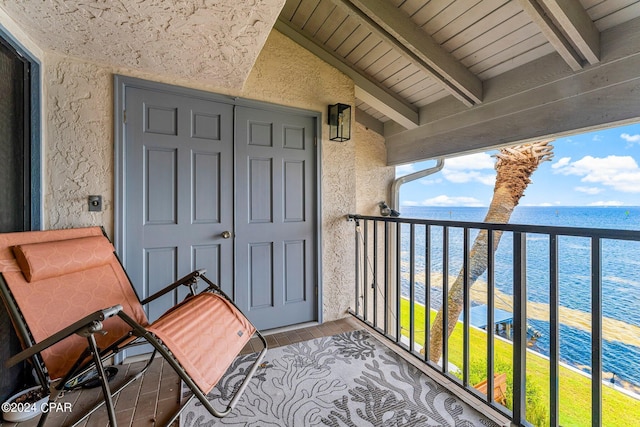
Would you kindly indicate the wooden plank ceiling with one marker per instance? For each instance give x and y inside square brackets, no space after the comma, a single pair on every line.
[417,63]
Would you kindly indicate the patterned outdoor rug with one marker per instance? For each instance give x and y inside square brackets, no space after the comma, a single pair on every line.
[349,379]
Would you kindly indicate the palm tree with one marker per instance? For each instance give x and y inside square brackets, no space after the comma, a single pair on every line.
[514,168]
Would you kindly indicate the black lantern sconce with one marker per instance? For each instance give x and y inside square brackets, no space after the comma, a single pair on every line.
[340,122]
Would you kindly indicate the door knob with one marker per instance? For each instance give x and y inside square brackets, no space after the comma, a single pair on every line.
[225,234]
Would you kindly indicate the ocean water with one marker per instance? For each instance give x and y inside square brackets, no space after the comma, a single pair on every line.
[620,274]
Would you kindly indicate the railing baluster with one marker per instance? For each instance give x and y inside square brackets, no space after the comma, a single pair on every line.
[357,233]
[520,327]
[375,274]
[427,290]
[412,285]
[398,280]
[554,332]
[596,332]
[491,327]
[365,275]
[466,308]
[445,294]
[386,278]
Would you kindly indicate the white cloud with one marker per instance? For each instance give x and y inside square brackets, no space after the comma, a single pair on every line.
[460,177]
[618,172]
[426,181]
[470,168]
[630,138]
[403,170]
[607,203]
[596,138]
[443,200]
[470,161]
[561,163]
[589,190]
[543,204]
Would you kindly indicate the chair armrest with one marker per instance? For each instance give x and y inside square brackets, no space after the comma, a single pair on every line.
[87,325]
[186,280]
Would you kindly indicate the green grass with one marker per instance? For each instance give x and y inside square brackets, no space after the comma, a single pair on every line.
[575,389]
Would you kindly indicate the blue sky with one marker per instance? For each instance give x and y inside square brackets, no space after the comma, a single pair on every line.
[591,169]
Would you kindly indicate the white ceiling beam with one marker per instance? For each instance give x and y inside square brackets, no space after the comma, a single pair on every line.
[368,90]
[394,26]
[576,24]
[552,33]
[368,121]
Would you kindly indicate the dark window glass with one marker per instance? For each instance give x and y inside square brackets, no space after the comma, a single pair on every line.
[15,206]
[15,194]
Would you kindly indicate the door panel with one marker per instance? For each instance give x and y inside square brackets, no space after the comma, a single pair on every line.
[275,222]
[179,199]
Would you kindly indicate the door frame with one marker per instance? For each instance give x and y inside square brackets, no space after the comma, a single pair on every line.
[121,83]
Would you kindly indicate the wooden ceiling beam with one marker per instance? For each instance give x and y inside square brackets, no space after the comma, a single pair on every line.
[552,33]
[367,90]
[395,27]
[576,24]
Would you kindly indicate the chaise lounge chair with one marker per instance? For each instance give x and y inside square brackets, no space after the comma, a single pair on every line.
[73,307]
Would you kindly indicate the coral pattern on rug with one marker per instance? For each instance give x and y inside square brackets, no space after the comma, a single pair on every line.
[348,379]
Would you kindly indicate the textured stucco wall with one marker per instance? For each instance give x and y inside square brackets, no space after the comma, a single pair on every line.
[79,145]
[78,148]
[204,42]
[373,176]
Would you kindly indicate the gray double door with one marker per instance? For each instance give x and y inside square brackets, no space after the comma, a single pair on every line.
[223,187]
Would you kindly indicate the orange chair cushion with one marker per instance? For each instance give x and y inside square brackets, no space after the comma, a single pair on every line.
[39,261]
[49,304]
[205,334]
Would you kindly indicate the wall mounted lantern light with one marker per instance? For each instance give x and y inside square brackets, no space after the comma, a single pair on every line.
[339,122]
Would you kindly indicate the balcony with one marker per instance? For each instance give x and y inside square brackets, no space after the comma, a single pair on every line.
[406,265]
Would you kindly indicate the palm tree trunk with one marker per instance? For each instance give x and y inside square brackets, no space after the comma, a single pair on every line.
[514,168]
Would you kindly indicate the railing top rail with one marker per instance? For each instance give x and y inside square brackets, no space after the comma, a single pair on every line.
[602,233]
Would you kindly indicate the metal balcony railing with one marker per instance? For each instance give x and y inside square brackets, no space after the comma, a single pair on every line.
[398,261]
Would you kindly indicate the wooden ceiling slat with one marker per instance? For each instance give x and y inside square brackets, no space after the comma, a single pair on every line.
[485,30]
[448,15]
[487,54]
[428,11]
[392,69]
[289,9]
[303,12]
[410,7]
[590,3]
[382,62]
[517,61]
[319,16]
[467,19]
[353,40]
[422,91]
[512,54]
[430,98]
[618,17]
[342,32]
[330,25]
[373,55]
[396,75]
[412,80]
[607,8]
[493,35]
[366,46]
